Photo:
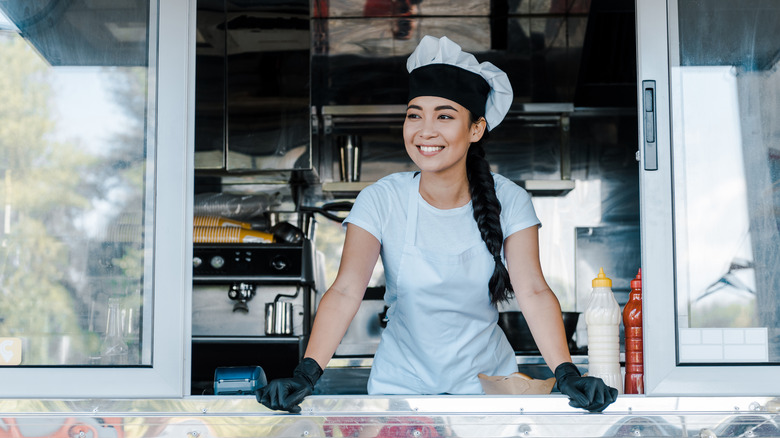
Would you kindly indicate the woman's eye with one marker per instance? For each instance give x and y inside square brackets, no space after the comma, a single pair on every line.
[445,116]
[412,116]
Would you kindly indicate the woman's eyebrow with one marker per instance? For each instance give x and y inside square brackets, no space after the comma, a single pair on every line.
[438,108]
[446,107]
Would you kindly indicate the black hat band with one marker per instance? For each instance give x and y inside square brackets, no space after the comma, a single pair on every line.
[450,82]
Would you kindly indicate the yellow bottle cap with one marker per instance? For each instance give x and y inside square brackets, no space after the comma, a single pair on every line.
[602,280]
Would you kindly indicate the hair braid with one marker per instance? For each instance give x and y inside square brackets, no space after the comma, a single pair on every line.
[487,213]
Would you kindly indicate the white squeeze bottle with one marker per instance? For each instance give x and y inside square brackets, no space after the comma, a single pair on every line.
[602,317]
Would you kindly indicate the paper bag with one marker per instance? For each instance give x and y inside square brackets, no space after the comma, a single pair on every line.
[515,383]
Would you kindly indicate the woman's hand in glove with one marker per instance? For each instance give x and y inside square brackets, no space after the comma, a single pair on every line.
[287,393]
[589,393]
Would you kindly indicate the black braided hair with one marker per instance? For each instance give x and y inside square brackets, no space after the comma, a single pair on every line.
[487,213]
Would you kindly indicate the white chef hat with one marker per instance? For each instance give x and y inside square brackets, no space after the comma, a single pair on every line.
[438,67]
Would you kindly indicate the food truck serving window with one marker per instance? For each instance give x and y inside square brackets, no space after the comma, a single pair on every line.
[82,296]
[711,202]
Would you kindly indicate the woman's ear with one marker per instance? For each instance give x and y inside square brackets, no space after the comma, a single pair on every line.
[478,129]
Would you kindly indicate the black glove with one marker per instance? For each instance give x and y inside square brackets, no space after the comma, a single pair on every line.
[589,393]
[287,393]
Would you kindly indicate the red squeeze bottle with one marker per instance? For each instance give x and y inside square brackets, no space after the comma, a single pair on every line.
[632,322]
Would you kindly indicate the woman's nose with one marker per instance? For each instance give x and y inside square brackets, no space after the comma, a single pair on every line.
[428,128]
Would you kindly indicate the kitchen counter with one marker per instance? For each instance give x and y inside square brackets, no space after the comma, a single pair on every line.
[349,375]
[530,359]
[393,416]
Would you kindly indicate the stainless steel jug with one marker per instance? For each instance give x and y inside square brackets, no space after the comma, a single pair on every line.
[278,318]
[350,154]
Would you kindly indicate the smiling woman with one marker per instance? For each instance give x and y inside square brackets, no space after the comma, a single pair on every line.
[455,240]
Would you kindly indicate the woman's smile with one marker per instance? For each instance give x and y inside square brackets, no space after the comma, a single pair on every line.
[429,151]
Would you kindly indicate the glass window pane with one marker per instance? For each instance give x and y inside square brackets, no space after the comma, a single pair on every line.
[725,100]
[76,230]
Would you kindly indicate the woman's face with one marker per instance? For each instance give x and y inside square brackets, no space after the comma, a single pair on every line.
[438,133]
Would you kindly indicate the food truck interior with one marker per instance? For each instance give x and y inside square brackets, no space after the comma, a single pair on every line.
[299,106]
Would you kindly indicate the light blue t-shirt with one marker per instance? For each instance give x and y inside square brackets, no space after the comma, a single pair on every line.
[380,209]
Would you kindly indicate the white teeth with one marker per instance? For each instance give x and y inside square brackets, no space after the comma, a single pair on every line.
[431,148]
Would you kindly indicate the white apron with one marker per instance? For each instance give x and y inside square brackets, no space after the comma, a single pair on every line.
[442,332]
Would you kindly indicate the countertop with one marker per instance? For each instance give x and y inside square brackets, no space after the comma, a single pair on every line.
[394,416]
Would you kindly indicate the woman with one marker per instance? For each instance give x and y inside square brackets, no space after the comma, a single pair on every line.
[443,234]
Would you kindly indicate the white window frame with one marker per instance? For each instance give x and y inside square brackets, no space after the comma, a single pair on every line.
[172,278]
[663,375]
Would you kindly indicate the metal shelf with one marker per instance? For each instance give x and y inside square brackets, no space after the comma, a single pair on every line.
[522,359]
[247,339]
[534,187]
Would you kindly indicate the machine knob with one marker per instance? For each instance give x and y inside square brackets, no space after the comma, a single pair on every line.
[279,263]
[196,262]
[217,262]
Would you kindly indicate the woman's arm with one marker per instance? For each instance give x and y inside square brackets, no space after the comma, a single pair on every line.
[538,303]
[342,300]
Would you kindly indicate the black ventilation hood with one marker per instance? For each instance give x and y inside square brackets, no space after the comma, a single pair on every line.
[607,73]
[584,56]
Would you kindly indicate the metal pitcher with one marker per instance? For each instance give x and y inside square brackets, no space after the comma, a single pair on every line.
[278,318]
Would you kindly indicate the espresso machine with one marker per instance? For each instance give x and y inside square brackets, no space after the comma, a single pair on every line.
[251,306]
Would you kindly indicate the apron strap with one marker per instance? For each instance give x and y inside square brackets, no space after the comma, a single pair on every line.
[411,210]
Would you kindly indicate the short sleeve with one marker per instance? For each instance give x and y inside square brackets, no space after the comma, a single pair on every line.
[517,210]
[377,205]
[365,213]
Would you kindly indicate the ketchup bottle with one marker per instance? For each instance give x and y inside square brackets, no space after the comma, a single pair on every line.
[632,322]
